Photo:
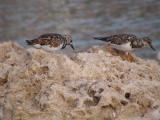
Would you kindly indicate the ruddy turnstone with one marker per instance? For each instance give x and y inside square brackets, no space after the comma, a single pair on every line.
[127,42]
[51,41]
[158,55]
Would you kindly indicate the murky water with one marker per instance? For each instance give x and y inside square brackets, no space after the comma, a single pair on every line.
[84,19]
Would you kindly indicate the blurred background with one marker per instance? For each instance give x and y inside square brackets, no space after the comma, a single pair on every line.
[26,19]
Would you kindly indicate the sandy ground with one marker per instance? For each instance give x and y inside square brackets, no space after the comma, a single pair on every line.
[91,85]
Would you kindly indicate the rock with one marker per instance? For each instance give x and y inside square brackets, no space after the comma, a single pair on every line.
[37,85]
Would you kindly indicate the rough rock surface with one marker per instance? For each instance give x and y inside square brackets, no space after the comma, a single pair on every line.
[91,85]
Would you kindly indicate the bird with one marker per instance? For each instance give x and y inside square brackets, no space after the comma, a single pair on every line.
[51,41]
[158,55]
[127,42]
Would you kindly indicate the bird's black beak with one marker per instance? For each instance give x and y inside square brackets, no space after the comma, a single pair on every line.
[72,46]
[152,47]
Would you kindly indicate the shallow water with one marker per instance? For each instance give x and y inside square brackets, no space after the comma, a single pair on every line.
[84,19]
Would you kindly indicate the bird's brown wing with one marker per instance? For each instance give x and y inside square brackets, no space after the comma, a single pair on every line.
[50,35]
[53,42]
[122,38]
[40,41]
[52,39]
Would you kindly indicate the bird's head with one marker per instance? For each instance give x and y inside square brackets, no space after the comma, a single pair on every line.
[148,43]
[68,38]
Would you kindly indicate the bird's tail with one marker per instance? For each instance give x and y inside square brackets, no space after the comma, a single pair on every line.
[106,39]
[29,42]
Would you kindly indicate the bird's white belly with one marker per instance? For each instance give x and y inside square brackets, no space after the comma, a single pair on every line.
[37,46]
[47,47]
[158,55]
[123,47]
[51,49]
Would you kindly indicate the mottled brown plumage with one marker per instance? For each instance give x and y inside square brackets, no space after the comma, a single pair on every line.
[52,40]
[130,39]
